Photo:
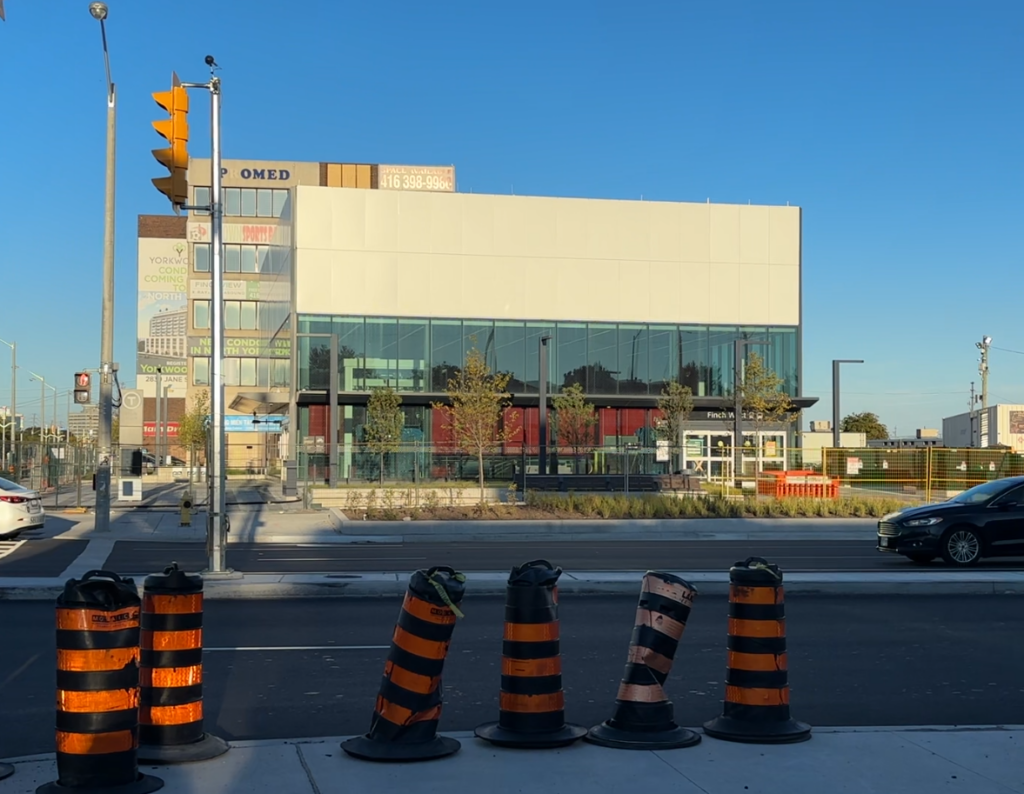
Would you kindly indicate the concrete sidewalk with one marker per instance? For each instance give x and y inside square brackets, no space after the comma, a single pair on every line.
[841,760]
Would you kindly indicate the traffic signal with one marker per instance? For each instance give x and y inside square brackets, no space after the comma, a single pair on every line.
[83,388]
[175,130]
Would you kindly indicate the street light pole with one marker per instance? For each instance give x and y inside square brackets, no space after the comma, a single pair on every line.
[983,346]
[542,421]
[107,367]
[14,407]
[837,439]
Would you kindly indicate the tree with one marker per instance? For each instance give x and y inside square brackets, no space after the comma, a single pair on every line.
[384,423]
[193,429]
[676,405]
[476,408]
[575,420]
[867,423]
[763,398]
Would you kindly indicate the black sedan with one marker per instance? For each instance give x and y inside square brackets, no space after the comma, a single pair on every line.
[985,521]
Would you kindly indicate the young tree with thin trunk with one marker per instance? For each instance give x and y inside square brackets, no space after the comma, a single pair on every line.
[763,399]
[384,423]
[193,429]
[676,405]
[575,419]
[477,402]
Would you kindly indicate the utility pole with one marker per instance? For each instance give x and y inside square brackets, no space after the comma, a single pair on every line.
[107,365]
[542,402]
[984,345]
[971,409]
[156,424]
[14,407]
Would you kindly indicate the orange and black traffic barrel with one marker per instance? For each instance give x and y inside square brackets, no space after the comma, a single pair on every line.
[98,687]
[531,706]
[171,671]
[408,707]
[644,718]
[756,707]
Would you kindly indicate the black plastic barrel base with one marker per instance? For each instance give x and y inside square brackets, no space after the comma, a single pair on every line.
[674,738]
[395,752]
[502,737]
[6,770]
[144,784]
[208,747]
[733,730]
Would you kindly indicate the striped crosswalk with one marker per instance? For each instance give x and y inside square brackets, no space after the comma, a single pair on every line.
[9,547]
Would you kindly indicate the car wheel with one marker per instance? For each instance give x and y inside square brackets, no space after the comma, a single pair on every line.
[961,546]
[921,559]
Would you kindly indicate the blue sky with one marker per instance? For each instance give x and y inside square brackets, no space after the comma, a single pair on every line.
[895,125]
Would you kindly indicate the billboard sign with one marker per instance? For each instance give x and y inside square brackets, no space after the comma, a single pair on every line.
[162,330]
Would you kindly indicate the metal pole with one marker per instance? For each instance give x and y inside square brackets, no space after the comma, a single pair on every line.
[983,423]
[836,437]
[156,424]
[542,424]
[106,396]
[165,444]
[332,407]
[218,480]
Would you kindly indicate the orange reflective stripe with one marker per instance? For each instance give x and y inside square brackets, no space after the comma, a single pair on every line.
[96,702]
[171,676]
[173,604]
[669,590]
[428,649]
[640,693]
[171,640]
[414,682]
[424,610]
[531,632]
[758,662]
[531,668]
[97,619]
[96,660]
[756,595]
[757,628]
[95,743]
[403,716]
[645,656]
[757,697]
[171,715]
[660,623]
[532,704]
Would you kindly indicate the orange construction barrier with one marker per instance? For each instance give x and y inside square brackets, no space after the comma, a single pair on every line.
[756,707]
[531,710]
[98,687]
[171,671]
[810,484]
[644,718]
[404,725]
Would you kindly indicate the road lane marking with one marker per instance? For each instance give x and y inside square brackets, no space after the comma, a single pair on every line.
[339,559]
[19,671]
[301,648]
[10,546]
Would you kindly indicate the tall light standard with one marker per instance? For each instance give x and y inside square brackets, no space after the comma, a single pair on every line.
[837,439]
[106,396]
[14,404]
[737,391]
[983,346]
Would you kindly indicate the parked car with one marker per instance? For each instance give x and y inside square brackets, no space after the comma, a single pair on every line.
[984,521]
[20,509]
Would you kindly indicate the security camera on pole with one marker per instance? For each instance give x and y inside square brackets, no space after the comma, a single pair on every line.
[175,187]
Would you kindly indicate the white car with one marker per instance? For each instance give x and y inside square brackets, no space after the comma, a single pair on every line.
[20,509]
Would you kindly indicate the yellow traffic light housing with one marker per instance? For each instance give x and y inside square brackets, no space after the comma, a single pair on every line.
[175,130]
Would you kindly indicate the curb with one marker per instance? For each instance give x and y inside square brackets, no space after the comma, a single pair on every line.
[384,585]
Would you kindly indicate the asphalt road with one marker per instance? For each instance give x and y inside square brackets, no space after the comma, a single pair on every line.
[133,557]
[913,660]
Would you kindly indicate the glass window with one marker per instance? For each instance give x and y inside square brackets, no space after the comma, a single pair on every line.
[232,258]
[280,197]
[263,259]
[263,372]
[571,355]
[314,363]
[693,359]
[350,352]
[232,315]
[510,353]
[201,197]
[201,258]
[632,359]
[445,352]
[265,202]
[248,202]
[232,201]
[247,372]
[721,342]
[413,354]
[381,351]
[317,325]
[201,372]
[200,314]
[782,357]
[248,258]
[662,357]
[248,321]
[279,375]
[534,332]
[602,359]
[480,335]
[231,371]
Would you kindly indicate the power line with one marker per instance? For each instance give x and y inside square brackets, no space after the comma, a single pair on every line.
[1007,350]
